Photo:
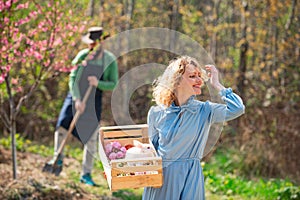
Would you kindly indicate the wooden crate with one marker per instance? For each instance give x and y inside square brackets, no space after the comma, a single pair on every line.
[129,173]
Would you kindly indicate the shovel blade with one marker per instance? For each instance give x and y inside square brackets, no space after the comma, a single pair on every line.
[52,169]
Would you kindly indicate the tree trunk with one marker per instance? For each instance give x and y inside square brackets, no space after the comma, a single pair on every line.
[291,17]
[12,126]
[274,65]
[233,20]
[14,109]
[128,12]
[101,12]
[213,41]
[243,51]
[242,67]
[90,10]
[13,145]
[174,7]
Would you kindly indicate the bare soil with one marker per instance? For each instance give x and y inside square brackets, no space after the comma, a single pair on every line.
[32,183]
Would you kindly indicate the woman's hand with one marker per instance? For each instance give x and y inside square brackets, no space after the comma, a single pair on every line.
[79,105]
[213,74]
[93,81]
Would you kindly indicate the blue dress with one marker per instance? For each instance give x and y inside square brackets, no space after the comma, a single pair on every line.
[179,134]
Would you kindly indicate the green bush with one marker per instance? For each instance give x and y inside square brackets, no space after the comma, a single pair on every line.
[221,178]
[21,143]
[288,192]
[24,145]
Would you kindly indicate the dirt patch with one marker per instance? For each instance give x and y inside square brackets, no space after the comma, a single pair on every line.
[32,183]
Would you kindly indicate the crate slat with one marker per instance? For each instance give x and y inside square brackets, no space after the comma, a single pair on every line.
[125,127]
[153,180]
[122,133]
[127,170]
[123,142]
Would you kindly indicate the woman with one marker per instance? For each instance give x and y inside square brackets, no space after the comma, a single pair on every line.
[179,126]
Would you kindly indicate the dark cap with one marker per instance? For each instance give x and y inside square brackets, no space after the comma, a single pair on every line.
[94,33]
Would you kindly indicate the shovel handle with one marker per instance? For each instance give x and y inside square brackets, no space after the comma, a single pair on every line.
[73,122]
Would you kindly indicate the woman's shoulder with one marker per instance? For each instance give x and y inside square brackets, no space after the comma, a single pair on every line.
[198,103]
[155,113]
[156,109]
[201,105]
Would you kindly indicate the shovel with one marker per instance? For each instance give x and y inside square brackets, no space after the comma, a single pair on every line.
[53,167]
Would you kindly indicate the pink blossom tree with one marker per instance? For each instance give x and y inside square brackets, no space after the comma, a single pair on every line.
[36,40]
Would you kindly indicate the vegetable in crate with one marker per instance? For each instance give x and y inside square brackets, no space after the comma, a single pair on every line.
[114,150]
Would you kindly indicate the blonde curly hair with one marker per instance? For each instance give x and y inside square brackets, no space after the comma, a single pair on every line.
[165,85]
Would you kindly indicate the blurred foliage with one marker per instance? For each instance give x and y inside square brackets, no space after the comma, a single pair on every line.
[268,134]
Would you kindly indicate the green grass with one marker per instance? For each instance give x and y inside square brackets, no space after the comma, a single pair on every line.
[129,194]
[221,177]
[222,180]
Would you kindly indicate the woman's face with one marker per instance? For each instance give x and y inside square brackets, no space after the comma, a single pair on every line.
[191,81]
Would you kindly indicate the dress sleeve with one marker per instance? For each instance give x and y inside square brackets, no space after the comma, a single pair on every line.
[232,108]
[152,131]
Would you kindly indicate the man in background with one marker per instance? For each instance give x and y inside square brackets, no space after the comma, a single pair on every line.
[96,67]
